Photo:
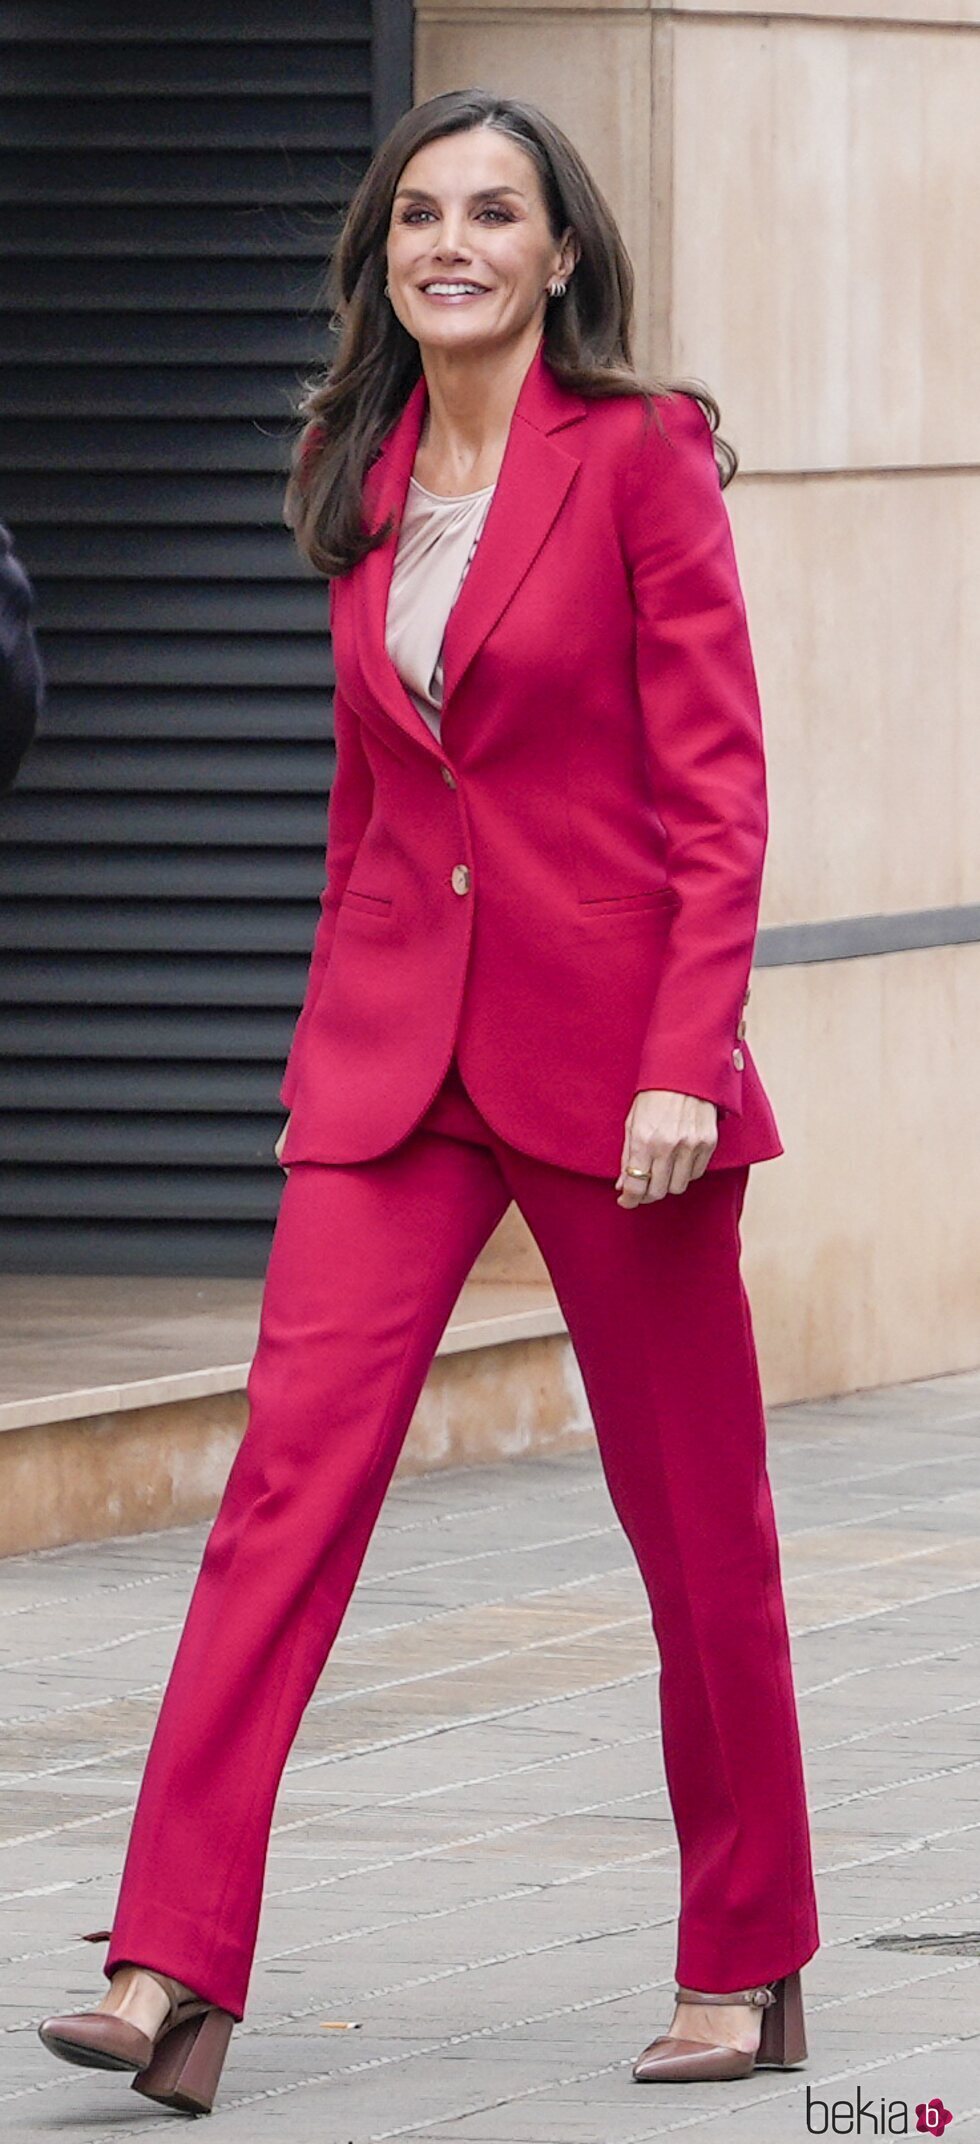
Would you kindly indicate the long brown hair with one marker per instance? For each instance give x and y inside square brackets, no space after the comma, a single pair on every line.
[347,409]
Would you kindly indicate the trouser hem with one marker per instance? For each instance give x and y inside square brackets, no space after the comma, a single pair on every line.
[705,1959]
[174,1943]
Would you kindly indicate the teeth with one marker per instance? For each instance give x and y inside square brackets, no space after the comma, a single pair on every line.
[451,290]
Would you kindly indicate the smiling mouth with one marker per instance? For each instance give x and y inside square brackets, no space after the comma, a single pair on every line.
[450,292]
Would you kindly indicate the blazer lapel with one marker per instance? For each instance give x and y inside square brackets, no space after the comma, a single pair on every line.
[535,475]
[385,490]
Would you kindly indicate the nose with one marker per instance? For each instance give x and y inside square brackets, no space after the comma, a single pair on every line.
[451,245]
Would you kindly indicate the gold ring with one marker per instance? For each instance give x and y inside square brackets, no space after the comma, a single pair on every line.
[636,1172]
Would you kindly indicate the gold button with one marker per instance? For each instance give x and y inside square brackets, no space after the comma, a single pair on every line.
[740,1030]
[449,779]
[738,1060]
[461,878]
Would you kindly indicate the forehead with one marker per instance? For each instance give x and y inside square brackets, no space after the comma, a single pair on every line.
[461,164]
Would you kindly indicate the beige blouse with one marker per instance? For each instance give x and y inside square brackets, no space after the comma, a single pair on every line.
[436,543]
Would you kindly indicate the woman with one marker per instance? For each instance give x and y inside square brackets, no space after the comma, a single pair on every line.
[528,981]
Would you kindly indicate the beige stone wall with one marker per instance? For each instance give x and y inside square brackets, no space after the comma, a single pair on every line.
[798,192]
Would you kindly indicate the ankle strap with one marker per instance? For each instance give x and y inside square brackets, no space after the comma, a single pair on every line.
[172,1989]
[762,1998]
[172,1992]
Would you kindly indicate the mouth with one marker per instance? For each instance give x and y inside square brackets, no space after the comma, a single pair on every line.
[451,291]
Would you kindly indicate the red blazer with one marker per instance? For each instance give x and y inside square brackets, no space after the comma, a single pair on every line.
[566,888]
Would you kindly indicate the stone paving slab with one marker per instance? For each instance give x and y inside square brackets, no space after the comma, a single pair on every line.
[473,1865]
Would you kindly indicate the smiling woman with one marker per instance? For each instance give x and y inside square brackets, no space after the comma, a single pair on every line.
[477,190]
[469,238]
[529,971]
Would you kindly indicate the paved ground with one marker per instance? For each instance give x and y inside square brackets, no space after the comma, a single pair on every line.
[473,1862]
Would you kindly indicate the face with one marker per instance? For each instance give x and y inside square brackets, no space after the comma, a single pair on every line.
[469,213]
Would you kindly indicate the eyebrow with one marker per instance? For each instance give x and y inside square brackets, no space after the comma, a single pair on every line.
[487,193]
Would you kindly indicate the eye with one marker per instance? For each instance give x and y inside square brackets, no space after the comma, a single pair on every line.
[411,215]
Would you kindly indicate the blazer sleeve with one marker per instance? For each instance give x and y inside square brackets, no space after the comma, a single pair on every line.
[348,812]
[703,734]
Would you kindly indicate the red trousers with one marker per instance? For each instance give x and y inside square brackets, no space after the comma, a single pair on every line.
[366,1265]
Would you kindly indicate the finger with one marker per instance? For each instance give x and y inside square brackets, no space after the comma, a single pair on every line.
[702,1155]
[686,1164]
[663,1174]
[637,1187]
[625,1150]
[701,1161]
[681,1172]
[660,1178]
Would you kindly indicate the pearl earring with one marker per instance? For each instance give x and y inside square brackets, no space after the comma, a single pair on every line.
[387,291]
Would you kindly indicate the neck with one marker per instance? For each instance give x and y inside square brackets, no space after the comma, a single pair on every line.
[472,397]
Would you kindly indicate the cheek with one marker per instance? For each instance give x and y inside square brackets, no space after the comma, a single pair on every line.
[519,266]
[405,242]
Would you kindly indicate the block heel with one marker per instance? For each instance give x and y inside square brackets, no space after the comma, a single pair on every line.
[782,2041]
[187,2063]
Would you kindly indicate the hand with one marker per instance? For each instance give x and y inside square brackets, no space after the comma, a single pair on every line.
[280,1143]
[674,1135]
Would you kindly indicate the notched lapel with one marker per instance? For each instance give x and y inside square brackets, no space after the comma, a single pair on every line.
[385,491]
[535,475]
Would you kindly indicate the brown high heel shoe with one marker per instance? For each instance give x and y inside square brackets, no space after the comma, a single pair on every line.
[179,2065]
[782,2039]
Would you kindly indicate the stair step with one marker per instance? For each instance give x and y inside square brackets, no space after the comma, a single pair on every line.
[123,1400]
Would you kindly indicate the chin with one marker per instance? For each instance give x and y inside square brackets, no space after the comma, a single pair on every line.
[472,344]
